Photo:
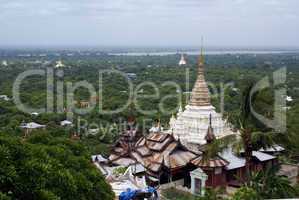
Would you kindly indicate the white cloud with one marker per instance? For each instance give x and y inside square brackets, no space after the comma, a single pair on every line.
[149,21]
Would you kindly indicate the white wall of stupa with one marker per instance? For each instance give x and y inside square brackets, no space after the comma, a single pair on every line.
[191,124]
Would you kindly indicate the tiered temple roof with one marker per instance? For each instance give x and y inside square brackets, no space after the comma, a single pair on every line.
[159,150]
[165,158]
[214,162]
[155,151]
[210,163]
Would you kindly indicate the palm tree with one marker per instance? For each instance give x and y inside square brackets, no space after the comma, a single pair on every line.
[270,185]
[248,140]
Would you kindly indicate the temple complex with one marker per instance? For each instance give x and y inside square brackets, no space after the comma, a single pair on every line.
[158,159]
[191,124]
[181,156]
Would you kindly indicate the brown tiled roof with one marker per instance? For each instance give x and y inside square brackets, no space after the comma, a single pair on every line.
[144,151]
[211,163]
[159,150]
[179,159]
[154,166]
[157,137]
[140,142]
[159,146]
[124,161]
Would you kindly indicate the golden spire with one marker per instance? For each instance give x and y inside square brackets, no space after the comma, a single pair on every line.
[201,58]
[200,93]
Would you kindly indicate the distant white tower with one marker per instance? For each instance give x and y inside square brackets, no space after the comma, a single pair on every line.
[182,61]
[4,63]
[59,64]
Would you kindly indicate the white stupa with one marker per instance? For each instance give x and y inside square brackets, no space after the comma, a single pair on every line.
[191,124]
[289,99]
[4,63]
[59,64]
[182,61]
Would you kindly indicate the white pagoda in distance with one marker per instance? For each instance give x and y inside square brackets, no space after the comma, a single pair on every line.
[59,64]
[191,125]
[4,63]
[182,61]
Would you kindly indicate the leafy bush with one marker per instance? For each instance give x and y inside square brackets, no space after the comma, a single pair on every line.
[119,171]
[245,193]
[4,197]
[174,194]
[48,168]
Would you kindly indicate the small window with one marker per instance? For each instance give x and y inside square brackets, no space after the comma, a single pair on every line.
[218,170]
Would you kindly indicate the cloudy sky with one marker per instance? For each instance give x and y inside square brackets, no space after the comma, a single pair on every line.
[149,22]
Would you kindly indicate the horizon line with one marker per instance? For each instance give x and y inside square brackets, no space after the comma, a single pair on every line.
[151,47]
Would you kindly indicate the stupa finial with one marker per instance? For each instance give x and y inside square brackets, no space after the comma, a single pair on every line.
[200,93]
[201,58]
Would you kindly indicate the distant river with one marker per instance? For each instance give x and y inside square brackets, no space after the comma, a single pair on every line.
[214,52]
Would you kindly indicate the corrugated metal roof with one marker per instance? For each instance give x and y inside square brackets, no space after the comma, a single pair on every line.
[99,158]
[179,159]
[274,148]
[144,151]
[262,156]
[137,168]
[32,125]
[124,161]
[155,167]
[140,142]
[234,161]
[138,158]
[238,162]
[158,146]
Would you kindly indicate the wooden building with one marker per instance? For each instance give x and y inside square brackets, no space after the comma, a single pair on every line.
[214,169]
[164,158]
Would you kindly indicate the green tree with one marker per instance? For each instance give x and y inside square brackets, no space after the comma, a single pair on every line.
[4,196]
[269,185]
[47,167]
[245,193]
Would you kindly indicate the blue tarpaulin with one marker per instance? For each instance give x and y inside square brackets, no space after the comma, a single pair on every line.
[130,194]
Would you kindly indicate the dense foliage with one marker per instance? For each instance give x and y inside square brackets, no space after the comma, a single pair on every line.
[245,193]
[47,167]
